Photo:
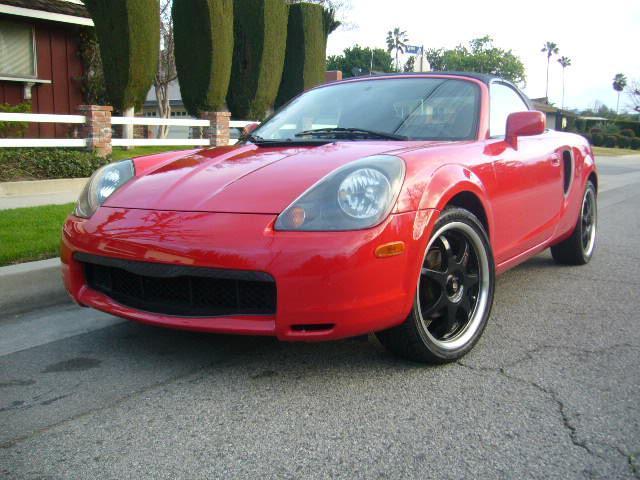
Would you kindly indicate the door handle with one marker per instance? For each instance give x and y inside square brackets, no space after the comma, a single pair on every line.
[555,160]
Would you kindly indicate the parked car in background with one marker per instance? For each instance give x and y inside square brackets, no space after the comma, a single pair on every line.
[381,204]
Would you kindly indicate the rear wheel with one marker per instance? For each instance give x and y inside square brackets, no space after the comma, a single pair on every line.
[454,293]
[579,247]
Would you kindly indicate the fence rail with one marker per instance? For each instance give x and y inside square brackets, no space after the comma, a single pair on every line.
[41,118]
[116,142]
[177,122]
[42,142]
[159,142]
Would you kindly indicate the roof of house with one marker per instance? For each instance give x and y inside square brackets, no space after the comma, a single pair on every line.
[65,11]
[544,107]
[51,6]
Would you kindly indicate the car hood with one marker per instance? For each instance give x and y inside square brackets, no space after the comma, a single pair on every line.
[242,179]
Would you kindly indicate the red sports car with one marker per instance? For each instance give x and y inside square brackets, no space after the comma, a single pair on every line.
[379,204]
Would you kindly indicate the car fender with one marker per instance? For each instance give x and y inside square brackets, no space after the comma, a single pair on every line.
[450,180]
[589,168]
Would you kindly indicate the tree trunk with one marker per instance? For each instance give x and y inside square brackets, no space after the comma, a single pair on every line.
[547,89]
[164,109]
[562,105]
[127,130]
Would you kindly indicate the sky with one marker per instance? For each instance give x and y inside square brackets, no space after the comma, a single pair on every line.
[600,37]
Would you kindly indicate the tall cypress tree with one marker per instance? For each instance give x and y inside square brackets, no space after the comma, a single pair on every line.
[128,33]
[203,35]
[305,61]
[260,30]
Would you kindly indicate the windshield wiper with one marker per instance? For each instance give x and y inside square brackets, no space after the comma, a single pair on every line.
[258,140]
[350,133]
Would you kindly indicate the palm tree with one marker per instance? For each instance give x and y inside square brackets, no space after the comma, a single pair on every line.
[619,84]
[564,62]
[397,40]
[550,49]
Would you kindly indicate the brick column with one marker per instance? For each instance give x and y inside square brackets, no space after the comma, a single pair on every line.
[331,76]
[218,132]
[97,128]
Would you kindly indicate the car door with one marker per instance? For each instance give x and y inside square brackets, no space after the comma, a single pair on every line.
[529,192]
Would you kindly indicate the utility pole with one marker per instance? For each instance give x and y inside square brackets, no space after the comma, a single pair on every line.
[421,58]
[371,66]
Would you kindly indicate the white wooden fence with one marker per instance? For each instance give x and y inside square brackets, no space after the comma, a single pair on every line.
[116,142]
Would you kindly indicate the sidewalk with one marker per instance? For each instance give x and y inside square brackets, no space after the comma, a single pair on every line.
[40,192]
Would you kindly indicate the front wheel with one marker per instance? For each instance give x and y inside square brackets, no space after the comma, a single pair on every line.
[454,293]
[579,247]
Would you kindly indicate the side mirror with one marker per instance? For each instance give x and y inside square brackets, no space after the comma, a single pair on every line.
[525,124]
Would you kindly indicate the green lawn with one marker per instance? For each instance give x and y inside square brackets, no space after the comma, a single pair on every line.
[614,152]
[32,233]
[119,153]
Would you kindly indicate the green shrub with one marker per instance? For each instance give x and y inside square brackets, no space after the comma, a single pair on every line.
[128,32]
[611,141]
[305,60]
[14,129]
[623,142]
[629,124]
[627,132]
[46,163]
[260,39]
[203,35]
[635,143]
[597,139]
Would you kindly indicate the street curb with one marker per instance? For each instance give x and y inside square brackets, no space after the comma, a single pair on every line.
[42,187]
[29,286]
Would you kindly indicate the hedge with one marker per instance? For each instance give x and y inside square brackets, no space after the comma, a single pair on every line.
[260,31]
[635,143]
[610,141]
[128,32]
[597,139]
[14,129]
[305,60]
[622,141]
[47,163]
[203,36]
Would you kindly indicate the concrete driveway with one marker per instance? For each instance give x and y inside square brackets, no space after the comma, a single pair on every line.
[551,391]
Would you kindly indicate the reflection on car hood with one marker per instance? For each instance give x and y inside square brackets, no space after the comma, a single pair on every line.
[244,179]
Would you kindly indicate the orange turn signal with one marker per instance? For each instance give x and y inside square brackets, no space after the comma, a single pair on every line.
[390,249]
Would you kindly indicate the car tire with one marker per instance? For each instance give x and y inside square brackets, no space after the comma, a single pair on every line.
[578,249]
[454,293]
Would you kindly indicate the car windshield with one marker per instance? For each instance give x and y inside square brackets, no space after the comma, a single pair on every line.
[381,109]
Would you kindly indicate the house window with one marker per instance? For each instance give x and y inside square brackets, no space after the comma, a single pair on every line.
[17,50]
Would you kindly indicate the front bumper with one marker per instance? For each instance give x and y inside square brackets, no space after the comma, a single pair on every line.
[329,280]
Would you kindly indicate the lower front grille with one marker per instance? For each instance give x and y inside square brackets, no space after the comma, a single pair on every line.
[181,290]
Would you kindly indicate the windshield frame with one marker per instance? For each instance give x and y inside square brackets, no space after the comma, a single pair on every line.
[477,120]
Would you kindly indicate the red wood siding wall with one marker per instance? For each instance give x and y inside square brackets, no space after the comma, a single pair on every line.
[58,61]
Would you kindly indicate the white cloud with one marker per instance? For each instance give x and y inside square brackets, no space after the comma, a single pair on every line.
[601,38]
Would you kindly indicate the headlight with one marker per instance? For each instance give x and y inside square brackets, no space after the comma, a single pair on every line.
[102,184]
[356,196]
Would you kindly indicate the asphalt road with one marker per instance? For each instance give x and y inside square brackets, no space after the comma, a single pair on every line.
[551,391]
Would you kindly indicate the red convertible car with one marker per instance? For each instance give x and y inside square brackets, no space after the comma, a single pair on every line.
[380,204]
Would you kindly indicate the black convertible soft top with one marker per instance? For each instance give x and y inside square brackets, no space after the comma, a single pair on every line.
[485,78]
